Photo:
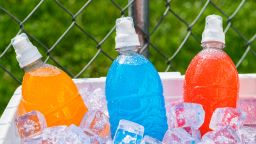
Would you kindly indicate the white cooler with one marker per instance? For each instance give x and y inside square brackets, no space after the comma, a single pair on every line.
[172,85]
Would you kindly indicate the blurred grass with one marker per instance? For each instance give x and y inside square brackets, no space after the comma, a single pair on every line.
[49,22]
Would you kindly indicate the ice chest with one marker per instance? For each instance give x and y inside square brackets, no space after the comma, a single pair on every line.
[172,85]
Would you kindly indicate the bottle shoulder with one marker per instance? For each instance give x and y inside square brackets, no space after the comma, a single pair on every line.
[212,56]
[131,59]
[211,66]
[212,53]
[45,70]
[132,67]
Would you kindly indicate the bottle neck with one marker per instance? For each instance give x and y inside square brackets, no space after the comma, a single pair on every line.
[128,50]
[35,65]
[213,44]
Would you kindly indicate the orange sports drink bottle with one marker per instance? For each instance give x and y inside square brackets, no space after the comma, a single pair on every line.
[46,88]
[211,78]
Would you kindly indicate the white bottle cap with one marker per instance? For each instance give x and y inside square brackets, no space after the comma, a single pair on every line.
[125,33]
[213,30]
[26,52]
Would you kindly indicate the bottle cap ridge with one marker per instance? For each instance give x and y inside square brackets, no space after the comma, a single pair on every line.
[126,35]
[213,30]
[26,52]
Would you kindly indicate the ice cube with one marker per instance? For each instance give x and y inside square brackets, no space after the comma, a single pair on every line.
[128,133]
[225,135]
[186,115]
[227,116]
[207,141]
[248,134]
[30,124]
[150,140]
[249,107]
[178,136]
[94,138]
[53,135]
[195,133]
[95,99]
[37,139]
[109,141]
[75,135]
[97,122]
[169,102]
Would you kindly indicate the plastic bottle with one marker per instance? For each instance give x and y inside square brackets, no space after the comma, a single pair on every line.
[46,88]
[211,78]
[133,87]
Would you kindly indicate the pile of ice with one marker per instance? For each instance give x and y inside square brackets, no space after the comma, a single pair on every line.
[94,129]
[184,120]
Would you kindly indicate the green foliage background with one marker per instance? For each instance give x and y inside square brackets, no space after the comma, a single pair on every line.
[49,22]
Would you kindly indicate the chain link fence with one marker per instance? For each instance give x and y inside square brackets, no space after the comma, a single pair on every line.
[78,36]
